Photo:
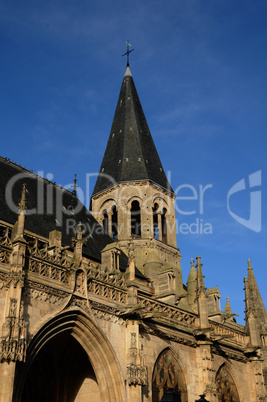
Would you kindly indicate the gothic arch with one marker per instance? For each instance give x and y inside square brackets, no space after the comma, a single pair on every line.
[167,373]
[72,327]
[226,386]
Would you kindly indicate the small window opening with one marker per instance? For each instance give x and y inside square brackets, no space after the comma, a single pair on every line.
[155,222]
[135,219]
[164,225]
[105,221]
[114,224]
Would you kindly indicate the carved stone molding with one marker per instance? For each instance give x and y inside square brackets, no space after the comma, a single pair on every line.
[106,313]
[5,236]
[81,303]
[5,255]
[229,354]
[15,278]
[171,312]
[165,334]
[42,292]
[80,282]
[13,342]
[136,374]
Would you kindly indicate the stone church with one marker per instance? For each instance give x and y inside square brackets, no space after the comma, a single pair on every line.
[94,306]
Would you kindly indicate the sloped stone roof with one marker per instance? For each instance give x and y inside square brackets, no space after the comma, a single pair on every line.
[49,207]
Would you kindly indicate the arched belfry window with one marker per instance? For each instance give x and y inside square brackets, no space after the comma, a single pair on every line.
[105,221]
[164,225]
[225,385]
[155,221]
[159,223]
[114,224]
[167,374]
[135,219]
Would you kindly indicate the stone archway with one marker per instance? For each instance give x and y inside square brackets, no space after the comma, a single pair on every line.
[61,372]
[167,373]
[67,360]
[226,388]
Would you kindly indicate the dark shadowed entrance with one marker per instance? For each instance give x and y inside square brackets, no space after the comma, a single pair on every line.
[61,372]
[69,359]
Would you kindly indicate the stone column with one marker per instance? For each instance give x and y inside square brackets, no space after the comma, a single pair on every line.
[110,223]
[171,230]
[7,375]
[136,371]
[206,373]
[159,225]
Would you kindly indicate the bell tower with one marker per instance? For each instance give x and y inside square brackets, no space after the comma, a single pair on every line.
[133,198]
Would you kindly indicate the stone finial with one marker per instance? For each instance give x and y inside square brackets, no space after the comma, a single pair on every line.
[249,264]
[228,309]
[200,276]
[192,283]
[80,231]
[78,243]
[55,238]
[192,277]
[18,229]
[193,273]
[22,204]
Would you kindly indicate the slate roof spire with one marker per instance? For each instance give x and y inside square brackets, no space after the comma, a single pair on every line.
[130,154]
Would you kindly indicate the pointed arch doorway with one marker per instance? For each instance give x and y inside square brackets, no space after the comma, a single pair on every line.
[61,371]
[69,360]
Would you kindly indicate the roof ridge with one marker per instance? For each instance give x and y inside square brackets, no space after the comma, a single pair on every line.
[32,173]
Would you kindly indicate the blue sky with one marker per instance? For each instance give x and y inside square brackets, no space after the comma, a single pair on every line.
[200,71]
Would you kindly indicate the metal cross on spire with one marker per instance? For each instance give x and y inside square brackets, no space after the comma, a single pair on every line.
[75,185]
[128,52]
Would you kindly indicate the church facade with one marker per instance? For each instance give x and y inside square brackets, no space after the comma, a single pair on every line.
[94,304]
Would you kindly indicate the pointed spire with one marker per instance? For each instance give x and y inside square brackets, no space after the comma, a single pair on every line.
[128,72]
[192,283]
[201,297]
[200,278]
[130,154]
[255,310]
